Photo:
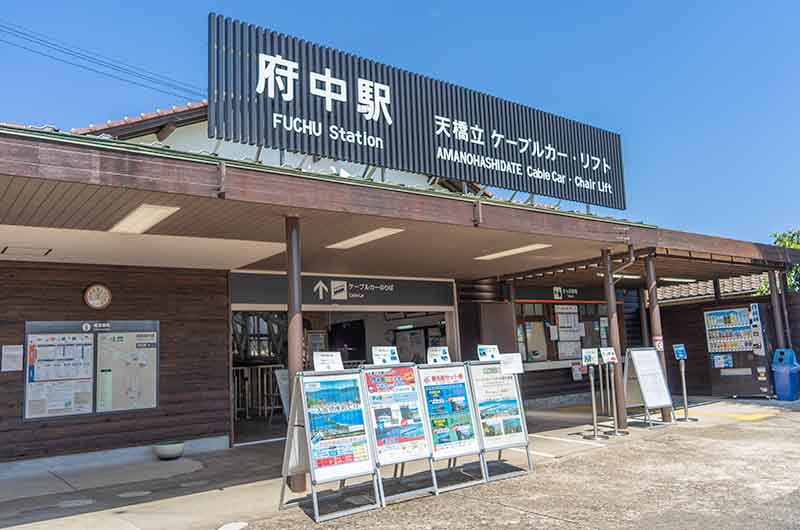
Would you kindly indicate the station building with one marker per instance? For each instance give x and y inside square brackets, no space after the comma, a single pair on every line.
[230,260]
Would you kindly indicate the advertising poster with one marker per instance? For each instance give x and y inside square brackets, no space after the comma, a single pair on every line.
[498,405]
[127,370]
[335,421]
[394,405]
[60,375]
[449,412]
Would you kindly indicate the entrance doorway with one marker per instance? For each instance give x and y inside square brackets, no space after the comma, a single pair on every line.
[260,354]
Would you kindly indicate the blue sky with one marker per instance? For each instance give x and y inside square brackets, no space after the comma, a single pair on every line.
[704,94]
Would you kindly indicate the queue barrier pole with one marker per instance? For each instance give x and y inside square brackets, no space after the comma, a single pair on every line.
[595,435]
[685,396]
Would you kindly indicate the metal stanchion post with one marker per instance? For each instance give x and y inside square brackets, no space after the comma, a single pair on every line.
[600,378]
[616,431]
[610,385]
[596,435]
[685,397]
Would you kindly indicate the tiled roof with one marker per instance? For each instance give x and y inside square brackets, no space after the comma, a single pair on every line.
[728,287]
[127,120]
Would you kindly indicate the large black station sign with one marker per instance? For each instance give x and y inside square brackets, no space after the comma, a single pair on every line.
[277,91]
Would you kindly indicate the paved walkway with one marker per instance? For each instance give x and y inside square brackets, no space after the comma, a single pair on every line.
[242,485]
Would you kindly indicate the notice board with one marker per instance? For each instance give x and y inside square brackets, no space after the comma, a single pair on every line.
[84,367]
[59,378]
[127,368]
[396,414]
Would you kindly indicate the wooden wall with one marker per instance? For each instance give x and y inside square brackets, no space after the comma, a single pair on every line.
[192,307]
[793,305]
[685,324]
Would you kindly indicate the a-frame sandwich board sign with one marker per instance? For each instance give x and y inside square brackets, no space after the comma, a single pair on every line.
[646,383]
[327,436]
[399,429]
[451,416]
[500,412]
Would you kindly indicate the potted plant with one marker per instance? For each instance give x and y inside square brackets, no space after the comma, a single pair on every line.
[169,450]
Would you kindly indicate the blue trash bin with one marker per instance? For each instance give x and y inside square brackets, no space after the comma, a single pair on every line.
[786,374]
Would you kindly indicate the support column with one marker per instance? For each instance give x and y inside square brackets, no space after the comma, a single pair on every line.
[643,318]
[777,310]
[784,280]
[657,334]
[297,483]
[614,338]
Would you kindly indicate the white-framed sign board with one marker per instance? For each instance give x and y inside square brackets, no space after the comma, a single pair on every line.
[498,403]
[397,416]
[644,365]
[450,411]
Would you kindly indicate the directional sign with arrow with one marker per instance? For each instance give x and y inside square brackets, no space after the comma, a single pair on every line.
[321,289]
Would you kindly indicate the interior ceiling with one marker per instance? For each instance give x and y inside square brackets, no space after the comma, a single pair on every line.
[73,219]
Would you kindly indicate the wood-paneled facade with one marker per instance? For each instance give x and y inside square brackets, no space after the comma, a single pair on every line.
[194,366]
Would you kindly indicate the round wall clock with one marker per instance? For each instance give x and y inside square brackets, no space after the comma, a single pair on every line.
[97,296]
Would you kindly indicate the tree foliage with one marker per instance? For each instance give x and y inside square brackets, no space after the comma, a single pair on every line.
[790,239]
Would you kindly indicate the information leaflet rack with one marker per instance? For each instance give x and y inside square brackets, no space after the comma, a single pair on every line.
[327,436]
[399,429]
[449,406]
[650,382]
[500,411]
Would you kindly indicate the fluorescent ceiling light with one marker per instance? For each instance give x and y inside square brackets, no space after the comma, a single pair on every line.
[623,276]
[143,218]
[404,327]
[678,280]
[514,251]
[378,233]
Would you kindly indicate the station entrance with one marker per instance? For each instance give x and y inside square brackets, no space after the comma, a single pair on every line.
[410,314]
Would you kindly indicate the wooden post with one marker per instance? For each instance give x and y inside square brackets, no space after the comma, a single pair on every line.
[784,302]
[643,318]
[297,483]
[614,338]
[777,310]
[717,290]
[657,334]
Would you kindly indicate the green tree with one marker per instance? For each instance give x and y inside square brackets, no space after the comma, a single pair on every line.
[790,239]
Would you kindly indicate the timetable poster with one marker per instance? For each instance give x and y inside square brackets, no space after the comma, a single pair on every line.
[60,375]
[394,406]
[449,412]
[499,407]
[338,438]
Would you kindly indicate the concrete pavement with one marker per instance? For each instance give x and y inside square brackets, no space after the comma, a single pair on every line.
[705,472]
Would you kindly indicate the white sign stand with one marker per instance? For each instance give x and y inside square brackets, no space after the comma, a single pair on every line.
[643,366]
[297,453]
[410,456]
[508,441]
[468,449]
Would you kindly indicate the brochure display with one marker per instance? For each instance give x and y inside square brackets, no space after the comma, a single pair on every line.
[649,374]
[397,419]
[327,435]
[498,402]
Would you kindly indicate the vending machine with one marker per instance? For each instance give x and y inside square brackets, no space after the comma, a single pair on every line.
[739,346]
